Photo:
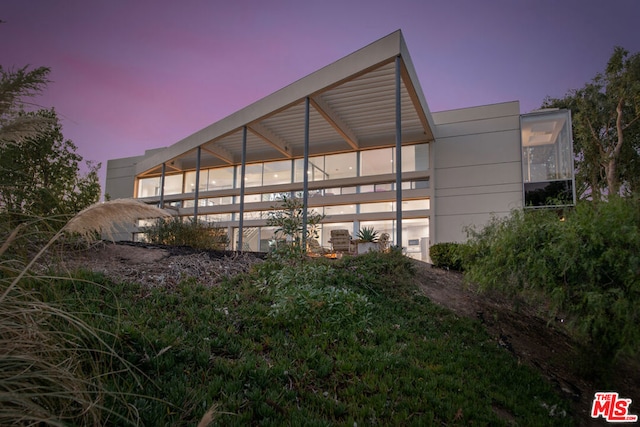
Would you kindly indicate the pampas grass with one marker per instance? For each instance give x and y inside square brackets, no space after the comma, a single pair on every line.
[99,218]
[48,357]
[102,218]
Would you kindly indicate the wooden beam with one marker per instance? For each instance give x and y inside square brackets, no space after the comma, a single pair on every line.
[219,152]
[271,138]
[335,121]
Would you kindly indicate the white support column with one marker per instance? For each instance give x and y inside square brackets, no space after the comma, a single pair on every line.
[196,198]
[398,154]
[242,173]
[305,179]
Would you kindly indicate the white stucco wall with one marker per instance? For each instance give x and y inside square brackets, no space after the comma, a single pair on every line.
[477,168]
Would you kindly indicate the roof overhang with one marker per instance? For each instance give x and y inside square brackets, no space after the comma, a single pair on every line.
[352,106]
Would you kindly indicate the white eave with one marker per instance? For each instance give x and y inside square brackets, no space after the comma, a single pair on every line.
[352,106]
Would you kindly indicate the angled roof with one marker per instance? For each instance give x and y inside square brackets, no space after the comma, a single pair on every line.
[352,107]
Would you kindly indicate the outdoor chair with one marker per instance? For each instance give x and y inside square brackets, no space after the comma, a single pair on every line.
[314,248]
[341,241]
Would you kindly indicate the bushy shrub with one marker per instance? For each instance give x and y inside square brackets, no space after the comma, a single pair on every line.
[584,262]
[194,233]
[447,255]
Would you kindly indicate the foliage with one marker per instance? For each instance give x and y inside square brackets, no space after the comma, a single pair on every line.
[40,176]
[368,234]
[339,342]
[15,87]
[606,128]
[585,263]
[289,217]
[195,233]
[54,364]
[447,255]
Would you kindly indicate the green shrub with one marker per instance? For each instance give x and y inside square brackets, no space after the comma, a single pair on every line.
[585,263]
[447,255]
[195,233]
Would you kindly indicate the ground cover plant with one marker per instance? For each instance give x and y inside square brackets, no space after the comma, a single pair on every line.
[306,342]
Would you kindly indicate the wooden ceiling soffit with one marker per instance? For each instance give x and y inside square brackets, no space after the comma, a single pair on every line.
[413,95]
[271,138]
[174,165]
[219,152]
[335,120]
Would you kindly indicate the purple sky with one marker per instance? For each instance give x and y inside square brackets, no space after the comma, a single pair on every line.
[128,75]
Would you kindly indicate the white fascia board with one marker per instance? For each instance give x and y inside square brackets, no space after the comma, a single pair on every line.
[406,58]
[370,56]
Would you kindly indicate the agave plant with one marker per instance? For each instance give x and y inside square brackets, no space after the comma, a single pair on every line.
[368,234]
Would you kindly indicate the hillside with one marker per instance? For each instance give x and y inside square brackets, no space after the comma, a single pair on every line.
[528,337]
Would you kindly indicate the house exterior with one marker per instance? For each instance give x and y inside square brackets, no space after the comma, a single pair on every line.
[357,142]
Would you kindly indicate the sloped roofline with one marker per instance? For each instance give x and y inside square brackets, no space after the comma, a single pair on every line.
[369,57]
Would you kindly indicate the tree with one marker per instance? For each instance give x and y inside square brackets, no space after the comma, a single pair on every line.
[40,175]
[289,220]
[606,128]
[15,87]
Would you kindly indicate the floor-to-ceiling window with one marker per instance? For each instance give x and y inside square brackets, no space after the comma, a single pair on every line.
[547,159]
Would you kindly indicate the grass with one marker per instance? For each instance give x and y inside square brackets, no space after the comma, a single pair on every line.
[346,342]
[55,365]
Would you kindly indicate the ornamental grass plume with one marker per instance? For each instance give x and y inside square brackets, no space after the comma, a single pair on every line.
[99,218]
[50,372]
[102,218]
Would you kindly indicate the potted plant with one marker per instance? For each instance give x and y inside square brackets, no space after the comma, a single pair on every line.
[367,240]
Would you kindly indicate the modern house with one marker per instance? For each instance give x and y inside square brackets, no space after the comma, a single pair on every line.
[357,142]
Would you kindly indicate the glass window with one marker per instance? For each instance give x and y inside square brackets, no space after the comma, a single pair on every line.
[218,217]
[384,187]
[415,238]
[546,146]
[173,184]
[250,198]
[316,169]
[220,178]
[149,187]
[377,207]
[349,190]
[376,162]
[342,165]
[415,205]
[277,172]
[190,181]
[252,175]
[366,188]
[250,238]
[340,210]
[547,158]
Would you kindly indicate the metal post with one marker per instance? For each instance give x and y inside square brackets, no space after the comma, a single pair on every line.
[305,179]
[164,171]
[196,198]
[398,155]
[242,173]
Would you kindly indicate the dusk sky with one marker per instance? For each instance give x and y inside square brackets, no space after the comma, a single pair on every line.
[129,75]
